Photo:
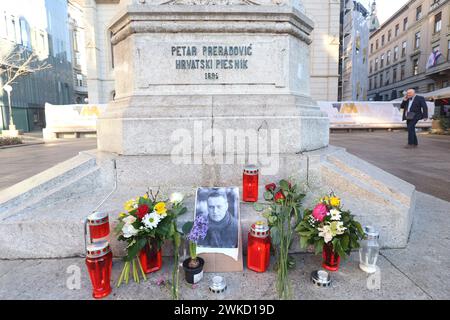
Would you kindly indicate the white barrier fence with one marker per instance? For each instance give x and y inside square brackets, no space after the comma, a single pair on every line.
[73,120]
[368,114]
[80,119]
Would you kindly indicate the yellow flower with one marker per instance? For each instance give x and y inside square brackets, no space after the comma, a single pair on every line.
[325,199]
[145,196]
[129,205]
[160,208]
[335,201]
[122,215]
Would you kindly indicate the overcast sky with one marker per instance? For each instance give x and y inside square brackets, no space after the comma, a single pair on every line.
[386,8]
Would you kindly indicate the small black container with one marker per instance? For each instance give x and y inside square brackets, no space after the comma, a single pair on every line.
[193,275]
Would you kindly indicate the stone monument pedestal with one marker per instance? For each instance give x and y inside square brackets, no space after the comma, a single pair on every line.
[200,91]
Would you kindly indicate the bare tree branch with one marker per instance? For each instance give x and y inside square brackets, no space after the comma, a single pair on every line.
[15,63]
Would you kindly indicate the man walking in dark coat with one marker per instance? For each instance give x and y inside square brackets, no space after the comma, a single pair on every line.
[414,109]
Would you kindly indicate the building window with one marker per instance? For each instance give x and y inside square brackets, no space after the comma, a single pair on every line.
[395,53]
[376,64]
[417,40]
[415,67]
[388,58]
[403,49]
[418,13]
[79,80]
[405,24]
[370,67]
[389,35]
[437,22]
[397,29]
[402,72]
[24,33]
[381,79]
[370,83]
[371,48]
[394,75]
[382,40]
[376,44]
[111,49]
[430,87]
[382,61]
[387,78]
[448,50]
[13,34]
[375,82]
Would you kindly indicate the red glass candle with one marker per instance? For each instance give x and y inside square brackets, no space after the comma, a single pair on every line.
[99,265]
[150,257]
[331,258]
[258,247]
[250,183]
[98,223]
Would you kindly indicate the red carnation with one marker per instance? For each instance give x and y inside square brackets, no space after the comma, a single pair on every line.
[279,196]
[271,186]
[142,211]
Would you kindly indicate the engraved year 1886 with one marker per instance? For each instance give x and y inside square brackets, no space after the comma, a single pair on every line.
[211,76]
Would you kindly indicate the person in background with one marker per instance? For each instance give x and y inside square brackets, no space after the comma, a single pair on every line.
[414,109]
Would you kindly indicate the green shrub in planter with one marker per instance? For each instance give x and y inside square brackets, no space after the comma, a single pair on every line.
[7,141]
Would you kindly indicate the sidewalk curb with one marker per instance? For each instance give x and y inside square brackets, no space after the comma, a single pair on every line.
[22,145]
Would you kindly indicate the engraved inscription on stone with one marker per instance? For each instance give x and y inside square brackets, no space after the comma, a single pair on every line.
[228,62]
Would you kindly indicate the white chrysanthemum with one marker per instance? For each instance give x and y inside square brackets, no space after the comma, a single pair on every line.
[335,214]
[151,220]
[128,231]
[129,220]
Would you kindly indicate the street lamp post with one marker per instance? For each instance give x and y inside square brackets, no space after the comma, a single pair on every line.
[12,128]
[8,90]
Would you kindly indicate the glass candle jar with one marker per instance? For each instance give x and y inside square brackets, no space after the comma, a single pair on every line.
[150,257]
[258,247]
[250,183]
[99,265]
[369,250]
[98,223]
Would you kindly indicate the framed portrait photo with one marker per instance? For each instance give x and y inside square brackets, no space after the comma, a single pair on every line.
[221,206]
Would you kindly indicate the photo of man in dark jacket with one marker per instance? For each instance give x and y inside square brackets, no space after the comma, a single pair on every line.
[414,109]
[222,218]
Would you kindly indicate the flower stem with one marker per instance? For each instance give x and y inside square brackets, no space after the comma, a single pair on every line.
[142,270]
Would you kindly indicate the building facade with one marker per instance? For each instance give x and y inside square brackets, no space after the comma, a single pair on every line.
[353,51]
[324,52]
[77,41]
[38,26]
[411,50]
[100,59]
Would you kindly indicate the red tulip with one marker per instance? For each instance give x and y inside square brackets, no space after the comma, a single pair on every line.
[279,196]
